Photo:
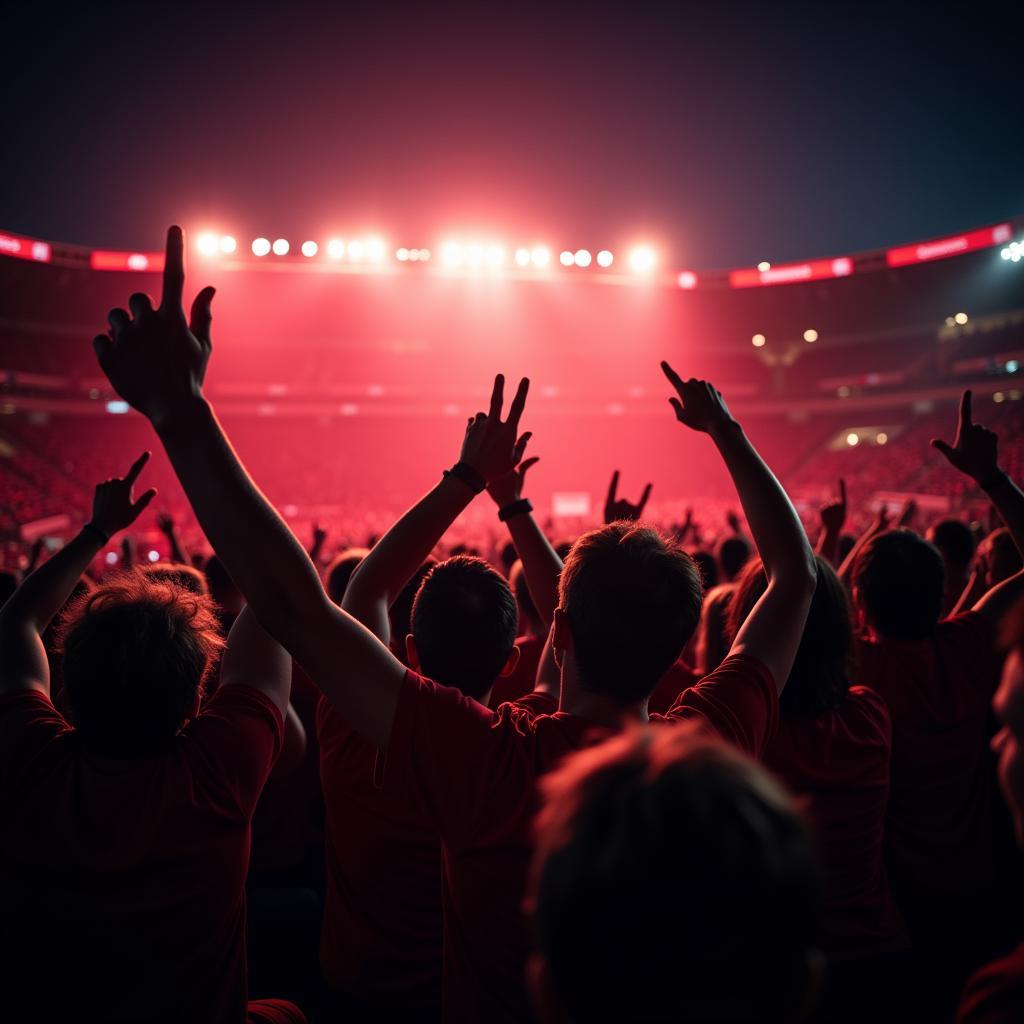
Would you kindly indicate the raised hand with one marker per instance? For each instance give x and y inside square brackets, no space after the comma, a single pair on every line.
[491,446]
[975,451]
[113,508]
[165,524]
[698,405]
[155,359]
[509,488]
[616,508]
[833,514]
[907,514]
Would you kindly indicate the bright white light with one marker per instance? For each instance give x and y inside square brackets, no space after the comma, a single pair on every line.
[451,254]
[117,406]
[310,249]
[758,341]
[375,250]
[522,257]
[424,254]
[810,336]
[494,256]
[642,259]
[474,255]
[356,251]
[764,266]
[582,257]
[999,397]
[153,556]
[228,244]
[335,248]
[404,254]
[540,257]
[1004,254]
[280,247]
[566,259]
[687,280]
[881,437]
[1012,365]
[605,258]
[138,261]
[853,440]
[208,244]
[961,318]
[110,558]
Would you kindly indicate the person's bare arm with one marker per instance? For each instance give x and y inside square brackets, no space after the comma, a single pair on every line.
[773,629]
[254,658]
[975,453]
[879,525]
[833,518]
[31,608]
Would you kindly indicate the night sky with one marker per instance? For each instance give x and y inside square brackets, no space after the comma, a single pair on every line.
[723,133]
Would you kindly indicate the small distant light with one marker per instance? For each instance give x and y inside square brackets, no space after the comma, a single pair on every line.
[261,246]
[348,409]
[138,261]
[758,341]
[642,260]
[280,247]
[335,248]
[687,280]
[853,440]
[208,244]
[961,318]
[117,406]
[228,244]
[356,251]
[153,556]
[566,259]
[404,254]
[1012,365]
[1015,395]
[810,336]
[110,558]
[582,257]
[494,256]
[950,322]
[375,250]
[94,393]
[605,258]
[1004,254]
[310,249]
[540,257]
[522,257]
[844,392]
[764,266]
[881,437]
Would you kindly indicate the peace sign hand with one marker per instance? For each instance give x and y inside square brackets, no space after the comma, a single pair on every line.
[112,506]
[155,359]
[975,451]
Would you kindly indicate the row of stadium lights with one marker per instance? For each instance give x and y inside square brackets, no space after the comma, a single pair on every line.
[454,255]
[759,340]
[1014,251]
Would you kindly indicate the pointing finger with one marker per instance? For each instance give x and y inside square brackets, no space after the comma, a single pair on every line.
[133,474]
[497,397]
[674,379]
[965,409]
[144,500]
[174,270]
[643,498]
[613,487]
[140,305]
[200,317]
[842,490]
[518,403]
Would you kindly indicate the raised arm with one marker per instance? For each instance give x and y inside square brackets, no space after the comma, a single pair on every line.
[254,658]
[975,453]
[541,564]
[491,447]
[168,527]
[772,631]
[31,608]
[833,518]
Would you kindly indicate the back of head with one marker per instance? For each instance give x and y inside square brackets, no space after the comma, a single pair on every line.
[137,652]
[184,576]
[955,541]
[339,572]
[400,612]
[708,566]
[632,599]
[733,554]
[820,676]
[899,582]
[672,881]
[464,621]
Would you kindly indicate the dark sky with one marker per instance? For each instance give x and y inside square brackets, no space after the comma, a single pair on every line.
[725,133]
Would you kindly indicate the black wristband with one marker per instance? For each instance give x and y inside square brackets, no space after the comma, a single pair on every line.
[99,533]
[468,475]
[515,508]
[996,478]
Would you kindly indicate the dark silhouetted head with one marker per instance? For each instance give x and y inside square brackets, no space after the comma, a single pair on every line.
[955,541]
[733,554]
[708,566]
[339,572]
[400,612]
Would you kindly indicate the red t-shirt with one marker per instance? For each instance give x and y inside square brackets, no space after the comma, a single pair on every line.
[475,771]
[837,768]
[995,994]
[382,926]
[939,693]
[678,678]
[524,675]
[123,881]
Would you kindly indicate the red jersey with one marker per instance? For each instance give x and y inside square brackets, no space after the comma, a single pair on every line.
[837,768]
[995,995]
[123,880]
[474,772]
[939,693]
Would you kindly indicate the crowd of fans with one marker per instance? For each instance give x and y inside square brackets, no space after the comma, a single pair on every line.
[738,767]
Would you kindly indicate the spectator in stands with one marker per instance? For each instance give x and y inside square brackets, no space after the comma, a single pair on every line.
[339,572]
[673,881]
[126,830]
[628,602]
[956,544]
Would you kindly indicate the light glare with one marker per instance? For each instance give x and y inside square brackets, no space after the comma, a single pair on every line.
[335,248]
[228,244]
[642,259]
[758,341]
[522,257]
[582,257]
[566,258]
[853,440]
[540,256]
[810,336]
[281,247]
[310,249]
[261,246]
[605,258]
[208,244]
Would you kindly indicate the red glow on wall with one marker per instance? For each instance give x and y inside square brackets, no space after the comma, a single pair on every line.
[104,259]
[940,248]
[791,273]
[25,248]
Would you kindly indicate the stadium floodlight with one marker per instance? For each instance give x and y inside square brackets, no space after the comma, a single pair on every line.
[881,437]
[376,251]
[261,246]
[310,249]
[228,244]
[810,336]
[494,256]
[403,254]
[642,259]
[475,255]
[758,341]
[451,254]
[424,255]
[280,247]
[540,257]
[522,257]
[605,258]
[853,439]
[687,280]
[1014,251]
[961,318]
[764,266]
[208,244]
[356,251]
[582,257]
[566,258]
[335,248]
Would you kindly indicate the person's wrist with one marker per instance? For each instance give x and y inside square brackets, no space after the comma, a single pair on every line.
[994,478]
[468,474]
[726,430]
[518,507]
[98,533]
[182,411]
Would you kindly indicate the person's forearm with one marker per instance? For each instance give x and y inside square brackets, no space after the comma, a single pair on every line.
[845,571]
[1008,500]
[828,545]
[178,552]
[541,564]
[268,565]
[971,593]
[775,527]
[44,592]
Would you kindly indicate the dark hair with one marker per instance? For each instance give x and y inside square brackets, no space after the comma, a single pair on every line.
[137,653]
[400,612]
[508,558]
[339,572]
[528,610]
[707,564]
[675,871]
[733,554]
[632,599]
[464,624]
[181,575]
[820,676]
[955,540]
[900,580]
